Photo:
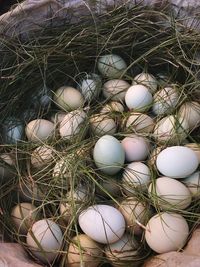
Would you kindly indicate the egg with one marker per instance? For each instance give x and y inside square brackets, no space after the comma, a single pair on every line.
[168,193]
[39,130]
[42,156]
[58,117]
[90,87]
[102,124]
[115,89]
[138,98]
[111,65]
[177,162]
[170,129]
[196,148]
[112,106]
[190,112]
[136,148]
[147,80]
[44,240]
[68,98]
[135,175]
[61,169]
[153,156]
[166,232]
[193,183]
[124,252]
[41,99]
[72,124]
[108,155]
[83,251]
[13,130]
[23,216]
[135,214]
[165,100]
[139,123]
[103,223]
[6,167]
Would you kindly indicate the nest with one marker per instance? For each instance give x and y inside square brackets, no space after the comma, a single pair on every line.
[147,40]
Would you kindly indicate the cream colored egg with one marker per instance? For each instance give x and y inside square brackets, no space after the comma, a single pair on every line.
[139,123]
[168,193]
[166,232]
[111,65]
[147,80]
[115,89]
[44,240]
[165,100]
[39,130]
[6,166]
[102,124]
[190,111]
[61,170]
[23,216]
[83,251]
[193,184]
[72,124]
[196,148]
[42,156]
[68,98]
[112,106]
[136,214]
[138,98]
[58,117]
[135,175]
[103,223]
[123,252]
[171,129]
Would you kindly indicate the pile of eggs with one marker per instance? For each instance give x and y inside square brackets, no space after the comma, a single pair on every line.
[140,145]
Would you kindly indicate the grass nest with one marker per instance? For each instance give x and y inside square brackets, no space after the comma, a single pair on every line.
[146,39]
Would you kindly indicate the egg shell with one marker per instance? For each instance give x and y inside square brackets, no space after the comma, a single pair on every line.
[112,106]
[103,223]
[177,162]
[165,100]
[24,215]
[68,98]
[196,148]
[115,89]
[193,184]
[123,252]
[49,240]
[135,175]
[138,98]
[39,130]
[42,156]
[135,214]
[166,232]
[108,155]
[139,123]
[147,80]
[90,87]
[72,124]
[169,193]
[170,129]
[6,166]
[190,111]
[13,130]
[111,65]
[61,169]
[102,124]
[136,148]
[83,251]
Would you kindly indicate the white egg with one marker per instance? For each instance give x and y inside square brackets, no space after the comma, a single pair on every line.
[111,65]
[123,252]
[193,183]
[165,100]
[72,124]
[135,175]
[109,155]
[138,98]
[115,89]
[112,106]
[90,87]
[168,193]
[6,166]
[171,129]
[13,130]
[42,156]
[68,98]
[177,162]
[166,232]
[103,223]
[102,124]
[139,123]
[196,148]
[147,80]
[190,111]
[44,240]
[39,130]
[136,148]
